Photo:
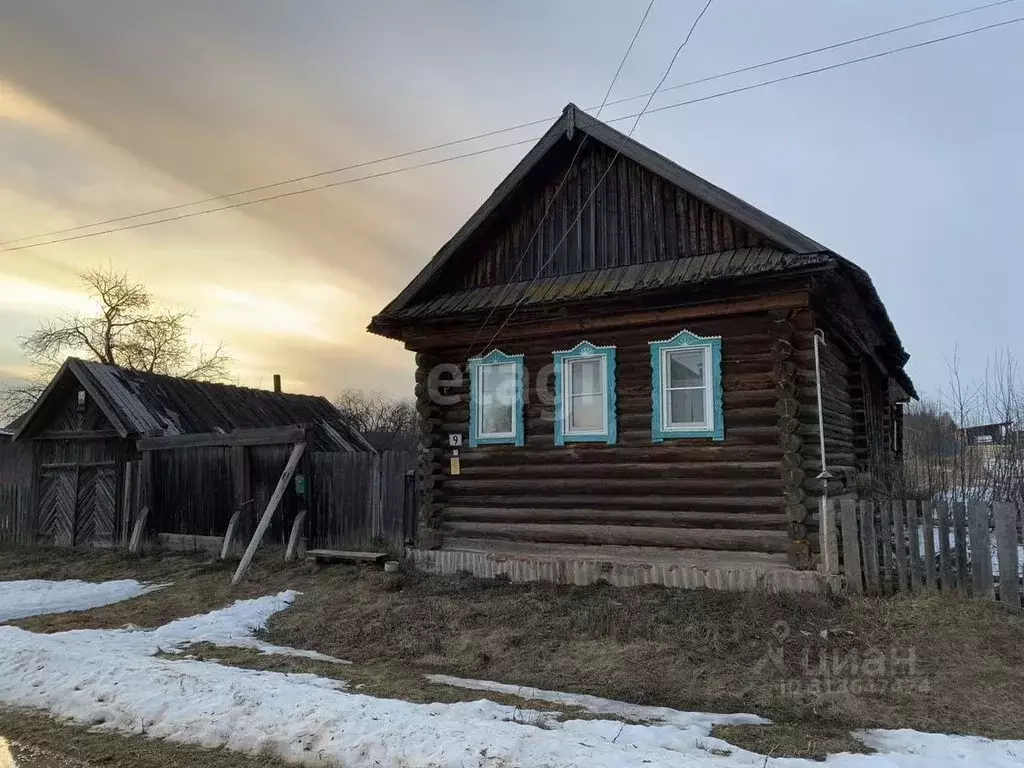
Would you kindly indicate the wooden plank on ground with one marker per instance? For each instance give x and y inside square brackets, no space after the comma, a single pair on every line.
[914,538]
[140,526]
[275,500]
[960,545]
[885,536]
[946,579]
[900,543]
[869,546]
[342,556]
[1007,555]
[928,513]
[851,548]
[293,540]
[981,550]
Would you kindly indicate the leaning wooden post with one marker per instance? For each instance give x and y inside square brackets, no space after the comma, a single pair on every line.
[140,525]
[293,540]
[275,500]
[230,535]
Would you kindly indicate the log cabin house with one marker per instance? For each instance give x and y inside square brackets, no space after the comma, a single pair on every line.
[626,352]
[107,441]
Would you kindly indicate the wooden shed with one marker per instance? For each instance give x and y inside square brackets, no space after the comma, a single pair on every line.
[107,441]
[626,353]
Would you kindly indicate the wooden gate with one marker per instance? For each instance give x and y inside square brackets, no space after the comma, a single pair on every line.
[77,504]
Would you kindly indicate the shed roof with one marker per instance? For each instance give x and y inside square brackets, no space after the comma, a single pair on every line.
[139,403]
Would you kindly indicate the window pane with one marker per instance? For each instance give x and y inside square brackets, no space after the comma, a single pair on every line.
[686,368]
[686,406]
[497,397]
[586,377]
[587,413]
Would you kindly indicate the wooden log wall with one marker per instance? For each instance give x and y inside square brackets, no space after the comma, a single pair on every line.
[681,493]
[788,409]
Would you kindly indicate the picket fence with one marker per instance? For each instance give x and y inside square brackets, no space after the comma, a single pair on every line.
[891,546]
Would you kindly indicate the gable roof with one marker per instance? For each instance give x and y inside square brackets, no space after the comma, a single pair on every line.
[574,119]
[139,403]
[783,251]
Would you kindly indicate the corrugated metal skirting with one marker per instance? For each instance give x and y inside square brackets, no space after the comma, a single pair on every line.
[581,571]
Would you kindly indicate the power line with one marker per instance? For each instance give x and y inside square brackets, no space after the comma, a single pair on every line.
[725,93]
[488,134]
[568,170]
[600,181]
[508,145]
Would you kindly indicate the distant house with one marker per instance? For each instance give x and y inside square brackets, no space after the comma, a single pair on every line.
[989,434]
[633,362]
[109,440]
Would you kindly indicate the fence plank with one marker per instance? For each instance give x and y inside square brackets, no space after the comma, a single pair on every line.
[900,544]
[929,545]
[829,537]
[293,539]
[885,536]
[914,538]
[851,550]
[1005,516]
[869,546]
[135,545]
[946,580]
[960,545]
[981,551]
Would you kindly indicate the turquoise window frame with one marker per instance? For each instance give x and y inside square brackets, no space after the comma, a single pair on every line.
[496,357]
[712,346]
[562,360]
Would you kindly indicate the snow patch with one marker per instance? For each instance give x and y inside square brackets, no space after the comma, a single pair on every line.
[110,679]
[35,597]
[599,706]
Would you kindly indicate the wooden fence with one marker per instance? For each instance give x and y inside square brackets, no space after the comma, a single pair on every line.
[894,546]
[360,500]
[16,524]
[353,500]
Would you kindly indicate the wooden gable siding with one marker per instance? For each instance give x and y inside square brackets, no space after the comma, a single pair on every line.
[745,493]
[67,416]
[635,217]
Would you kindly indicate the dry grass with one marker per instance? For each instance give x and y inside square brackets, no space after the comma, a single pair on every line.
[198,584]
[809,740]
[693,650]
[46,741]
[393,681]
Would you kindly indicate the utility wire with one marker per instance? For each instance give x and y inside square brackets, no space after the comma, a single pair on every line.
[499,131]
[499,147]
[600,181]
[565,177]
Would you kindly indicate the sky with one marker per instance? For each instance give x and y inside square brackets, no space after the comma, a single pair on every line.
[909,165]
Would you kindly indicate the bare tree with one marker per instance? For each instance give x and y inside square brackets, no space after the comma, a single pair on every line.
[944,458]
[128,329]
[388,422]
